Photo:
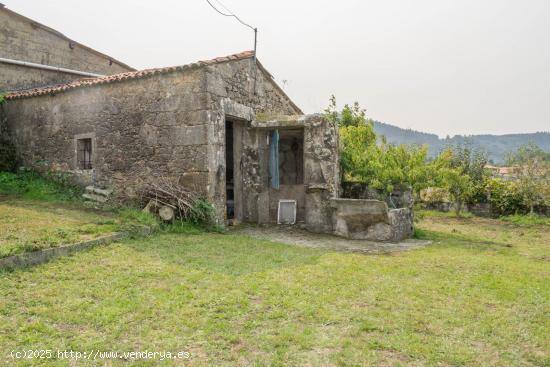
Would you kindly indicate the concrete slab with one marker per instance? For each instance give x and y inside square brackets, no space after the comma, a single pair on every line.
[294,235]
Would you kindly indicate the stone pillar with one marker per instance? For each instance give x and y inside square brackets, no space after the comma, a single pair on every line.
[321,172]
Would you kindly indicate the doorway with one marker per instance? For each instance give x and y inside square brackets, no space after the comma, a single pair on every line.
[229,171]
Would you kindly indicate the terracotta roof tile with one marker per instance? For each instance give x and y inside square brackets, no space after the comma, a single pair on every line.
[123,76]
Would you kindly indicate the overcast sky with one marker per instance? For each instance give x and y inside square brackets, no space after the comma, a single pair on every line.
[441,66]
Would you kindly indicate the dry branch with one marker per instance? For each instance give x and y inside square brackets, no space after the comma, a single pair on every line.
[167,193]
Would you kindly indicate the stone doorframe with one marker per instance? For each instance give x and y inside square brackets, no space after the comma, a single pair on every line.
[241,116]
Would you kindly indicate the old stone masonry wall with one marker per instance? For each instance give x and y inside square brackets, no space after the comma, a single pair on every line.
[25,40]
[142,128]
[233,84]
[169,124]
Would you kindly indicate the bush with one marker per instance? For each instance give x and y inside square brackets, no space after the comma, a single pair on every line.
[8,159]
[434,195]
[505,197]
[202,212]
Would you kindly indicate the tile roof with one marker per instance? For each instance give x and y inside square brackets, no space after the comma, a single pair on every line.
[123,76]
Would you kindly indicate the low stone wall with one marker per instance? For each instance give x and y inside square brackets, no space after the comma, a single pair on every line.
[481,209]
[364,219]
[401,196]
[42,256]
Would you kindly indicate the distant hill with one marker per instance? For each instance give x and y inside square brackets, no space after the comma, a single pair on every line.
[496,146]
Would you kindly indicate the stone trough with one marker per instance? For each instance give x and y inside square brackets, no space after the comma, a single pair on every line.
[364,219]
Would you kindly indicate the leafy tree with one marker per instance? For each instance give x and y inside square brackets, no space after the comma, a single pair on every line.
[349,116]
[532,172]
[505,197]
[378,165]
[461,170]
[358,152]
[446,172]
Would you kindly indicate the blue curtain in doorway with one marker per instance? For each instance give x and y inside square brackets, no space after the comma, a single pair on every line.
[274,159]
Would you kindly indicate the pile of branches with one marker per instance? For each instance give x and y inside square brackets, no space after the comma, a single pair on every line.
[171,201]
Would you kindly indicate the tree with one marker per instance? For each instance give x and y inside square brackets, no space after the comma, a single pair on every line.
[461,170]
[532,172]
[349,116]
[445,173]
[370,160]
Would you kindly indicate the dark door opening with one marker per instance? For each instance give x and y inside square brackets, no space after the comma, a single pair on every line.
[229,171]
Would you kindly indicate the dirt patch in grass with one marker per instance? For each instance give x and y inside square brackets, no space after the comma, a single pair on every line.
[294,235]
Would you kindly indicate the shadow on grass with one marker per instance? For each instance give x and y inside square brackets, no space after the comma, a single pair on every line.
[224,253]
[458,239]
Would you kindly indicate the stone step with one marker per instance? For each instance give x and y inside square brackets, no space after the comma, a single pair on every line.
[94,197]
[92,190]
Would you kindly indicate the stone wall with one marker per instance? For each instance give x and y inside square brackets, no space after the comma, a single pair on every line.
[14,77]
[168,124]
[366,219]
[140,129]
[235,82]
[401,196]
[26,40]
[321,172]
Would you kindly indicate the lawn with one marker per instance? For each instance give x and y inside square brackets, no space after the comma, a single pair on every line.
[479,296]
[28,225]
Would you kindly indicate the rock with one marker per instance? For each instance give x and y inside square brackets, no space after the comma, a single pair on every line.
[166,213]
[371,220]
[377,232]
[402,226]
[94,197]
[151,207]
[97,191]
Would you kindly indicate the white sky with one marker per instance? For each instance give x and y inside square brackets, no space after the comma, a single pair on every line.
[441,66]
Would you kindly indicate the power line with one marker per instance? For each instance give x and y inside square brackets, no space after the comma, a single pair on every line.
[230,14]
[233,15]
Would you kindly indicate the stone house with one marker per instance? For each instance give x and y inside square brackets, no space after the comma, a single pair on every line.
[222,128]
[211,126]
[197,124]
[32,54]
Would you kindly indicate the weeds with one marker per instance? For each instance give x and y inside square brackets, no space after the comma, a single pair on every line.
[31,185]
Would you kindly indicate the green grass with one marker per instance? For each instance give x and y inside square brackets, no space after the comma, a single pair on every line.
[32,186]
[479,296]
[27,225]
[39,212]
[527,219]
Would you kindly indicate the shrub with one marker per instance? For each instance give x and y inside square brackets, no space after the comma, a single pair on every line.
[8,159]
[433,195]
[505,197]
[202,212]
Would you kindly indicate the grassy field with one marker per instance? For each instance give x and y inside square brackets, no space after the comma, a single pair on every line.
[32,225]
[479,296]
[39,212]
